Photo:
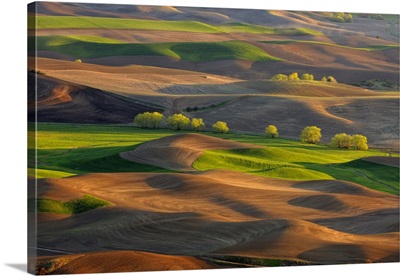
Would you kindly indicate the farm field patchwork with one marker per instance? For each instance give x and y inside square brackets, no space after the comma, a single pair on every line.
[171,138]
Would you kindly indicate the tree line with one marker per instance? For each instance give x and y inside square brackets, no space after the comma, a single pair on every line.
[176,121]
[310,134]
[305,76]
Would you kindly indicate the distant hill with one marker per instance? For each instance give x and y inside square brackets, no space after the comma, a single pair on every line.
[64,102]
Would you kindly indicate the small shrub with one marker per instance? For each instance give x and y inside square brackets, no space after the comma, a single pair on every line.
[220,127]
[294,76]
[280,77]
[307,76]
[331,79]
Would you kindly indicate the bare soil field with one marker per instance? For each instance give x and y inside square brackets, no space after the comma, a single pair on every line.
[122,261]
[388,161]
[229,213]
[289,105]
[60,101]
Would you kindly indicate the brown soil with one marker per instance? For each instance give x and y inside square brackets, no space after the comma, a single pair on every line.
[123,261]
[289,105]
[231,213]
[64,102]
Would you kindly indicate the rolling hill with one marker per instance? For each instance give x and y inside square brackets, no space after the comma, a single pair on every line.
[60,101]
[107,196]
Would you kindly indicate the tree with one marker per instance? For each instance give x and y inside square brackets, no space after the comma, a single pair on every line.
[359,142]
[221,127]
[78,60]
[155,120]
[294,76]
[272,131]
[331,79]
[324,79]
[342,17]
[307,76]
[280,77]
[348,17]
[197,124]
[311,134]
[142,119]
[178,121]
[342,140]
[148,120]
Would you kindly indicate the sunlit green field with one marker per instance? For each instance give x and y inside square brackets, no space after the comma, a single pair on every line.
[65,149]
[50,22]
[92,47]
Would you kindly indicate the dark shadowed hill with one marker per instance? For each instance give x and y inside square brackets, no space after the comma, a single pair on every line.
[64,102]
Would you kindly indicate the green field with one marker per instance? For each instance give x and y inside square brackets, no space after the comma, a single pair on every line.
[77,206]
[65,149]
[78,22]
[93,47]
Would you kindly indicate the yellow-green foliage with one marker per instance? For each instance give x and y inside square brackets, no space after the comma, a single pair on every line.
[280,77]
[271,131]
[357,141]
[149,120]
[342,17]
[221,127]
[329,79]
[294,76]
[307,76]
[178,121]
[341,140]
[311,134]
[197,124]
[76,206]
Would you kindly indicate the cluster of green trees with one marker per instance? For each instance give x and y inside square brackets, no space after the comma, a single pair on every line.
[312,134]
[329,79]
[342,17]
[305,76]
[343,140]
[176,122]
[293,76]
[149,120]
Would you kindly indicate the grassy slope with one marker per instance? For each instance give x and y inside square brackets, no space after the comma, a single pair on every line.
[76,206]
[302,163]
[65,150]
[49,22]
[92,47]
[73,149]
